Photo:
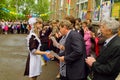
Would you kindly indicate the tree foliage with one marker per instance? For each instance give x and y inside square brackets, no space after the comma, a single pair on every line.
[24,7]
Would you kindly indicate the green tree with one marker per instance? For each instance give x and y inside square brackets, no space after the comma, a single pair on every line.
[23,8]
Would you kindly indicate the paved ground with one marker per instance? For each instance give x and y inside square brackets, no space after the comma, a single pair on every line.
[13,54]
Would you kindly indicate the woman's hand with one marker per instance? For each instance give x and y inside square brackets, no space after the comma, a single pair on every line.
[49,55]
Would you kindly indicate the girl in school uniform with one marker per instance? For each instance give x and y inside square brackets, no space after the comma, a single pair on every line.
[34,62]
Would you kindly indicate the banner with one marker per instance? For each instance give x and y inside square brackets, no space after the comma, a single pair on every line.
[116,10]
[83,14]
[106,10]
[96,14]
[20,14]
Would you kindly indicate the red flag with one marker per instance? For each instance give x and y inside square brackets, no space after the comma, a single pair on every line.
[68,1]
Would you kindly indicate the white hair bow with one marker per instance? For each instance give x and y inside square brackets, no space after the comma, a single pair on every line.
[31,21]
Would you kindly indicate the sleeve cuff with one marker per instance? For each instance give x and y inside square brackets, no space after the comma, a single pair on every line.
[93,66]
[33,51]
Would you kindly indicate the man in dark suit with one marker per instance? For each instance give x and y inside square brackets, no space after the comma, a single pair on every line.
[106,66]
[74,54]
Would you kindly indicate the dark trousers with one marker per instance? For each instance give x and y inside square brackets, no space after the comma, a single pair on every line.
[65,78]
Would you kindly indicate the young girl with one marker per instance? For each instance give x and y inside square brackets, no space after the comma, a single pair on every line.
[34,63]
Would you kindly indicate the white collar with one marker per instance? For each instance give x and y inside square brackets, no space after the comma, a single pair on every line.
[109,39]
[67,33]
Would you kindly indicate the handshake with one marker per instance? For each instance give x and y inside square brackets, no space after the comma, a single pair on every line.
[52,54]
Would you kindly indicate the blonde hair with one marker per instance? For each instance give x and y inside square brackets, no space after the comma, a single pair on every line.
[36,30]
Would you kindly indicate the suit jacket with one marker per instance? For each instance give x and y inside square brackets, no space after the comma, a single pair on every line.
[107,65]
[75,54]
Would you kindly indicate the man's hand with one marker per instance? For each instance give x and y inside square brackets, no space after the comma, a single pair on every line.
[61,59]
[90,61]
[61,47]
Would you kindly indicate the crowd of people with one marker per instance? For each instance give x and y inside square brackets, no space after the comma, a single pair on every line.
[84,51]
[14,27]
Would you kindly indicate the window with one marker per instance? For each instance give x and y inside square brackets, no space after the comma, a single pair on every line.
[61,3]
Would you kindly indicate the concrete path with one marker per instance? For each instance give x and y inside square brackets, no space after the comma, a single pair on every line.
[13,55]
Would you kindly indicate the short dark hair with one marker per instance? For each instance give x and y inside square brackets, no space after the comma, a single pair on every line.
[78,19]
[85,23]
[71,19]
[89,20]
